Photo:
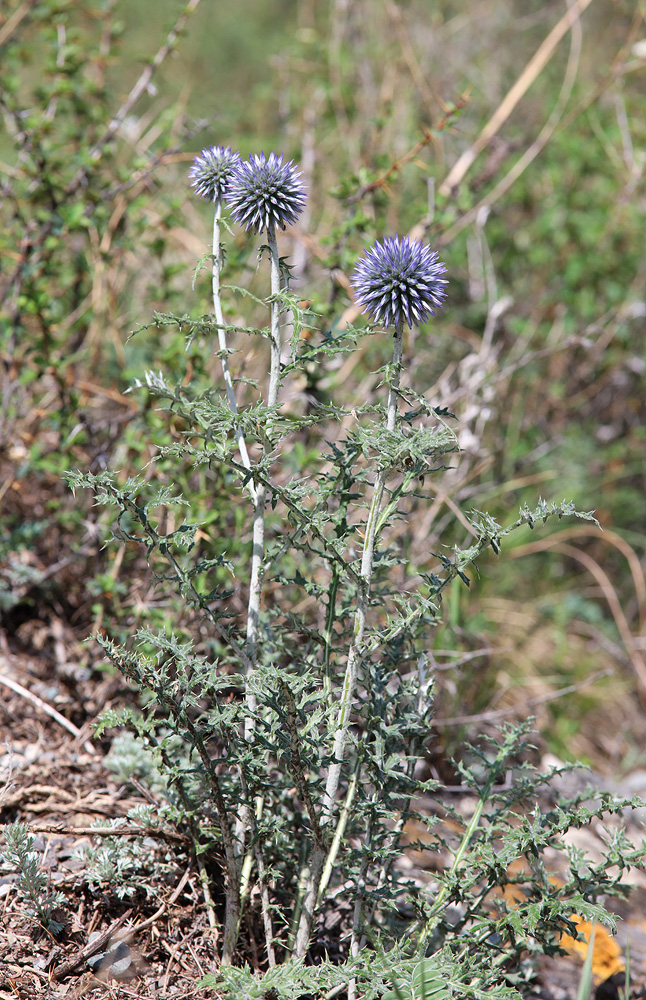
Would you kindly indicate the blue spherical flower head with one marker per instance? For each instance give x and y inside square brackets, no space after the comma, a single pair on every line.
[265,192]
[211,172]
[397,281]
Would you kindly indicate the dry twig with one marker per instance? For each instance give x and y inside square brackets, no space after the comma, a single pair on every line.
[47,709]
[534,67]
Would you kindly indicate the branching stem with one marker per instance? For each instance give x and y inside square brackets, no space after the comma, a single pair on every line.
[355,654]
[355,658]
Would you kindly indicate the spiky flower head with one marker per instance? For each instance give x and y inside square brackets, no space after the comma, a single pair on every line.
[211,172]
[265,192]
[397,280]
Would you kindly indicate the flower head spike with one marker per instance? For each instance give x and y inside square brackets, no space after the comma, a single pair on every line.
[211,172]
[266,192]
[397,281]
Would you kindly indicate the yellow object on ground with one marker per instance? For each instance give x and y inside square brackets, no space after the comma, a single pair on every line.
[607,953]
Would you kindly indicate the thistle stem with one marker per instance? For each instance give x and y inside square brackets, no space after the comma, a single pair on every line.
[355,657]
[260,499]
[275,312]
[437,908]
[355,654]
[222,340]
[244,824]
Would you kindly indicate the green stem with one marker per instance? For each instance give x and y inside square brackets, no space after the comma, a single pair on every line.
[438,904]
[338,835]
[327,635]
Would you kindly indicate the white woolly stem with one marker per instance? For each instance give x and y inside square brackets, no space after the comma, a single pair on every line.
[239,836]
[275,312]
[222,340]
[318,863]
[253,612]
[245,820]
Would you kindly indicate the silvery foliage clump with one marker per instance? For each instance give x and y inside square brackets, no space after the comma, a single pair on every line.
[289,739]
[41,901]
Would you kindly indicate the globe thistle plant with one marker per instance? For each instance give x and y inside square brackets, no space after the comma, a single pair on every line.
[399,281]
[265,193]
[311,663]
[211,172]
